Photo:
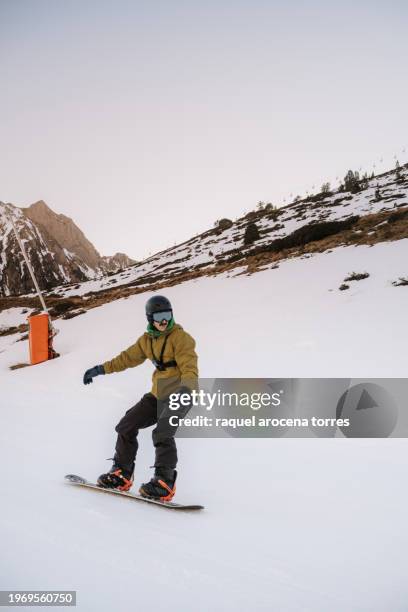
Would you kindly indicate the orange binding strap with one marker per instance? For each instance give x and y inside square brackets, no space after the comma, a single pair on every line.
[171,491]
[128,483]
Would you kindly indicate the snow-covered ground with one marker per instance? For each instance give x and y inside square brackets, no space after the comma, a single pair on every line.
[13,317]
[290,524]
[203,249]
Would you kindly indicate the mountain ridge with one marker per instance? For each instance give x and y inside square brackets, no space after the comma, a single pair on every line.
[376,210]
[58,250]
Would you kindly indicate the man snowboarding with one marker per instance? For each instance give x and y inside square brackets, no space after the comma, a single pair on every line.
[172,352]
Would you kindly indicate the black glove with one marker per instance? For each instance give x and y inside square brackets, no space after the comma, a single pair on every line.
[92,372]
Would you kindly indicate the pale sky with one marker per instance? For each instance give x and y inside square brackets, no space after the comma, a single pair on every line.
[147,121]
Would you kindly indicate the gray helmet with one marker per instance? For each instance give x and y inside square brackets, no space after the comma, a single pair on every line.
[157,303]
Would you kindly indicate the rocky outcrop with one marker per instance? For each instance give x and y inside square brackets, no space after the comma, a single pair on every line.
[116,262]
[65,232]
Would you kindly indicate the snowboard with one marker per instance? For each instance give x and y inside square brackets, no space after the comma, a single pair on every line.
[82,482]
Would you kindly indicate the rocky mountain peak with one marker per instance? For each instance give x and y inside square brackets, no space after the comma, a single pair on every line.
[65,231]
[58,250]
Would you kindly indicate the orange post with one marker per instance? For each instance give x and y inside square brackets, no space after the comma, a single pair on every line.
[39,338]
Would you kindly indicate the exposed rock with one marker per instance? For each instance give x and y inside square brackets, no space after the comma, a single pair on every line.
[116,262]
[64,231]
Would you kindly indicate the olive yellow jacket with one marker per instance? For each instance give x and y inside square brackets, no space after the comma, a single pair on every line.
[180,347]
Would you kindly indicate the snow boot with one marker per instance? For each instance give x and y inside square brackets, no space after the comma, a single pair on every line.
[162,486]
[116,479]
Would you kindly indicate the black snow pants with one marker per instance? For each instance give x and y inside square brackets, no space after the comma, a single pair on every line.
[145,414]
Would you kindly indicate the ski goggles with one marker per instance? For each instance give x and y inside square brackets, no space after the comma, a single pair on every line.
[166,315]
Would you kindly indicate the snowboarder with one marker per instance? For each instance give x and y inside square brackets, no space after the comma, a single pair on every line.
[172,352]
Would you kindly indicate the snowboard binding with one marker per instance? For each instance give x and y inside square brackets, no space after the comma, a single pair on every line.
[158,488]
[116,479]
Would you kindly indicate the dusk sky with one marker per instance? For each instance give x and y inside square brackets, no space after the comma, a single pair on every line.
[147,121]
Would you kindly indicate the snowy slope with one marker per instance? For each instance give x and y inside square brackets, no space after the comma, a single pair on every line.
[13,317]
[290,524]
[205,250]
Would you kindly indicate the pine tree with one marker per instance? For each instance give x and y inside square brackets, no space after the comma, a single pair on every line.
[352,181]
[251,233]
